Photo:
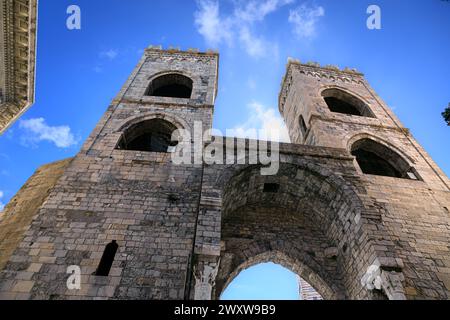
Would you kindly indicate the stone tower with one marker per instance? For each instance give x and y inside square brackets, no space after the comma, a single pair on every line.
[122,186]
[357,208]
[337,108]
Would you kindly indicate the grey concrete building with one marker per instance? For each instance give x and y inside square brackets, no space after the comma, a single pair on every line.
[18,26]
[357,208]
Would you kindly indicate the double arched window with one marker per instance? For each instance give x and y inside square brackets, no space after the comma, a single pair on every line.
[342,102]
[172,85]
[154,135]
[377,159]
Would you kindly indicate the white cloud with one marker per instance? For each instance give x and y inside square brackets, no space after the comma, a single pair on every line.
[304,20]
[37,130]
[97,69]
[258,10]
[254,46]
[263,123]
[210,25]
[2,205]
[237,26]
[111,54]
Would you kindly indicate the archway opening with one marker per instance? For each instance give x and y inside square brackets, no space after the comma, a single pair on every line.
[376,159]
[171,85]
[339,101]
[153,135]
[269,281]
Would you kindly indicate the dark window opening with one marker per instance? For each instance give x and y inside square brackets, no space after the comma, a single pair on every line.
[342,102]
[271,187]
[303,127]
[371,163]
[172,86]
[107,259]
[153,135]
[377,159]
[337,105]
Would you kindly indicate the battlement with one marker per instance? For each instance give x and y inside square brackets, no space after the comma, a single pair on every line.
[176,50]
[314,69]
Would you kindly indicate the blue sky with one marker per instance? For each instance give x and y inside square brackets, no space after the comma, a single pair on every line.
[80,71]
[265,281]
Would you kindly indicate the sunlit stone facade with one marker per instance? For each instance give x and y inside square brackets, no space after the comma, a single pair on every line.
[18,26]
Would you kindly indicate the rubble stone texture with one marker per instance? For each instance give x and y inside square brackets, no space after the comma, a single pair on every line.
[185,231]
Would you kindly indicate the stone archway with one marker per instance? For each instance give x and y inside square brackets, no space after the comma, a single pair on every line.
[325,224]
[286,219]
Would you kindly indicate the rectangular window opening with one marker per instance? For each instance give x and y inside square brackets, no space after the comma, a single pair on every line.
[271,187]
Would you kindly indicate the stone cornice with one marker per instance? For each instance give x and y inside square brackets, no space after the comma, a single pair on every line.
[19,42]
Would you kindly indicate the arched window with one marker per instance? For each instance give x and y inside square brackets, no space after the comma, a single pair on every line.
[153,135]
[377,159]
[107,259]
[173,85]
[343,102]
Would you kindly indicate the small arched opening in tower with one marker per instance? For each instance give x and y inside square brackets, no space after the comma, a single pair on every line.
[172,85]
[342,102]
[107,260]
[153,135]
[376,159]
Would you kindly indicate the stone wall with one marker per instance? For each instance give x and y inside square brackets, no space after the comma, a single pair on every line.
[19,213]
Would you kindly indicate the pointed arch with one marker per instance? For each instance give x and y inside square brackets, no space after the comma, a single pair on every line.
[284,260]
[171,84]
[342,101]
[376,158]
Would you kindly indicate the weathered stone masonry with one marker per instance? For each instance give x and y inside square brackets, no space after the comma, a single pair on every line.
[185,231]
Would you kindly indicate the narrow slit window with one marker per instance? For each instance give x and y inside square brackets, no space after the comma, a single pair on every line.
[107,259]
[303,127]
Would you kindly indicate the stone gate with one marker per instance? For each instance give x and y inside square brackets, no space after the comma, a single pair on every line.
[357,208]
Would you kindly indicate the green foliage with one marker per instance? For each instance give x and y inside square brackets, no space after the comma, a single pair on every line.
[446,115]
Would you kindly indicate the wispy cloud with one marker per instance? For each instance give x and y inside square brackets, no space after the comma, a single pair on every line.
[5,173]
[37,130]
[251,83]
[110,54]
[304,20]
[238,26]
[97,69]
[2,205]
[210,25]
[264,123]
